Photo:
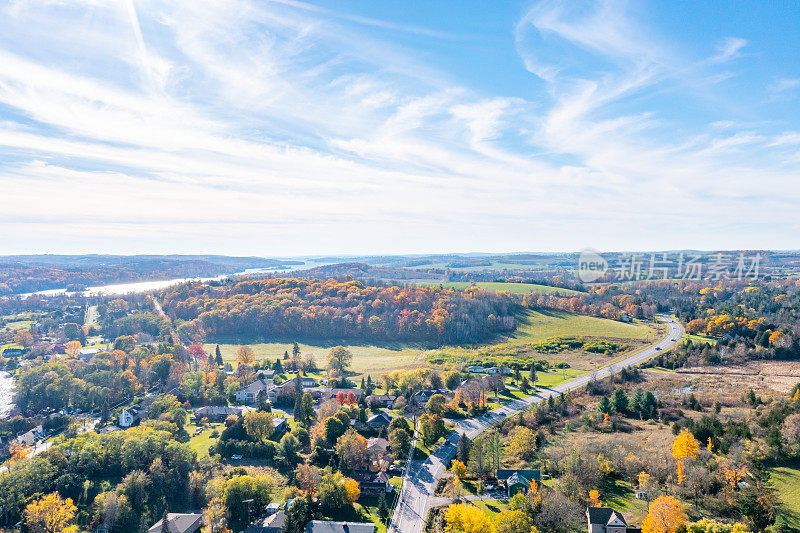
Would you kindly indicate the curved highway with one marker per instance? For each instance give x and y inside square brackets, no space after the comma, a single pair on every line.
[421,477]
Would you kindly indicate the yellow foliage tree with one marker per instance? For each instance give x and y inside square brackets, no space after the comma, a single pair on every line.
[245,355]
[685,445]
[523,442]
[258,425]
[352,490]
[594,498]
[513,522]
[467,518]
[665,515]
[458,469]
[50,514]
[73,348]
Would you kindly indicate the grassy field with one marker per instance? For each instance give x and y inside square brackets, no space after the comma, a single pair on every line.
[786,480]
[533,326]
[619,495]
[202,442]
[697,339]
[369,359]
[19,325]
[513,288]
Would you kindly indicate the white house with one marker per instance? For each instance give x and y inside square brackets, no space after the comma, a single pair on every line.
[249,394]
[128,417]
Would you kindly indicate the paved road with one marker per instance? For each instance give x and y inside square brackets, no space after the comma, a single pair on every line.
[422,476]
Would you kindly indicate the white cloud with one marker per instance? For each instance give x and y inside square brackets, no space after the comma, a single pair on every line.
[275,128]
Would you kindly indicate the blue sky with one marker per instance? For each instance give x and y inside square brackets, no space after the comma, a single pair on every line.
[289,128]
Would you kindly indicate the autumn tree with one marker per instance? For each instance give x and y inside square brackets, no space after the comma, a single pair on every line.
[665,515]
[523,442]
[339,359]
[400,442]
[73,348]
[436,404]
[467,518]
[216,516]
[509,521]
[258,425]
[685,445]
[594,498]
[50,514]
[245,355]
[351,489]
[352,449]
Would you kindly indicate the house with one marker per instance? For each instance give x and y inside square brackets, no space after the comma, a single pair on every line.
[279,426]
[179,523]
[498,370]
[13,352]
[330,526]
[272,523]
[29,437]
[108,429]
[265,373]
[607,520]
[272,394]
[249,394]
[379,420]
[372,484]
[422,397]
[517,480]
[380,401]
[88,353]
[221,412]
[128,417]
[476,369]
[306,381]
[273,508]
[377,447]
[641,494]
[331,393]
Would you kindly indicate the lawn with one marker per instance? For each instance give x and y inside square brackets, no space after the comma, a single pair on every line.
[19,325]
[786,480]
[513,288]
[619,495]
[202,442]
[490,507]
[697,339]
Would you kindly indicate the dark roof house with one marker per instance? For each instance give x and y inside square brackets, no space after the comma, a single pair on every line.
[379,420]
[272,523]
[607,520]
[179,523]
[517,480]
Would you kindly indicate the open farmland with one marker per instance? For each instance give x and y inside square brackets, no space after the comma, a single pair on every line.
[513,288]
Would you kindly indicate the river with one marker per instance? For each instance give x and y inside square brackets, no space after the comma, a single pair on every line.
[118,289]
[6,393]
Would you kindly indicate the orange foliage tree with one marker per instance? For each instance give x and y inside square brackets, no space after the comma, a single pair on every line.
[665,515]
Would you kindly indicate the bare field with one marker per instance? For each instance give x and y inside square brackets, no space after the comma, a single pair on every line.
[761,376]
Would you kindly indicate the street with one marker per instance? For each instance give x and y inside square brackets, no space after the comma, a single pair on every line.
[420,481]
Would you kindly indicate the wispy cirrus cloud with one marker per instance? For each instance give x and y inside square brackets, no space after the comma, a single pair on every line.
[284,127]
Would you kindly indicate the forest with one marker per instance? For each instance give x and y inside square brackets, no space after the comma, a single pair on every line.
[326,309]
